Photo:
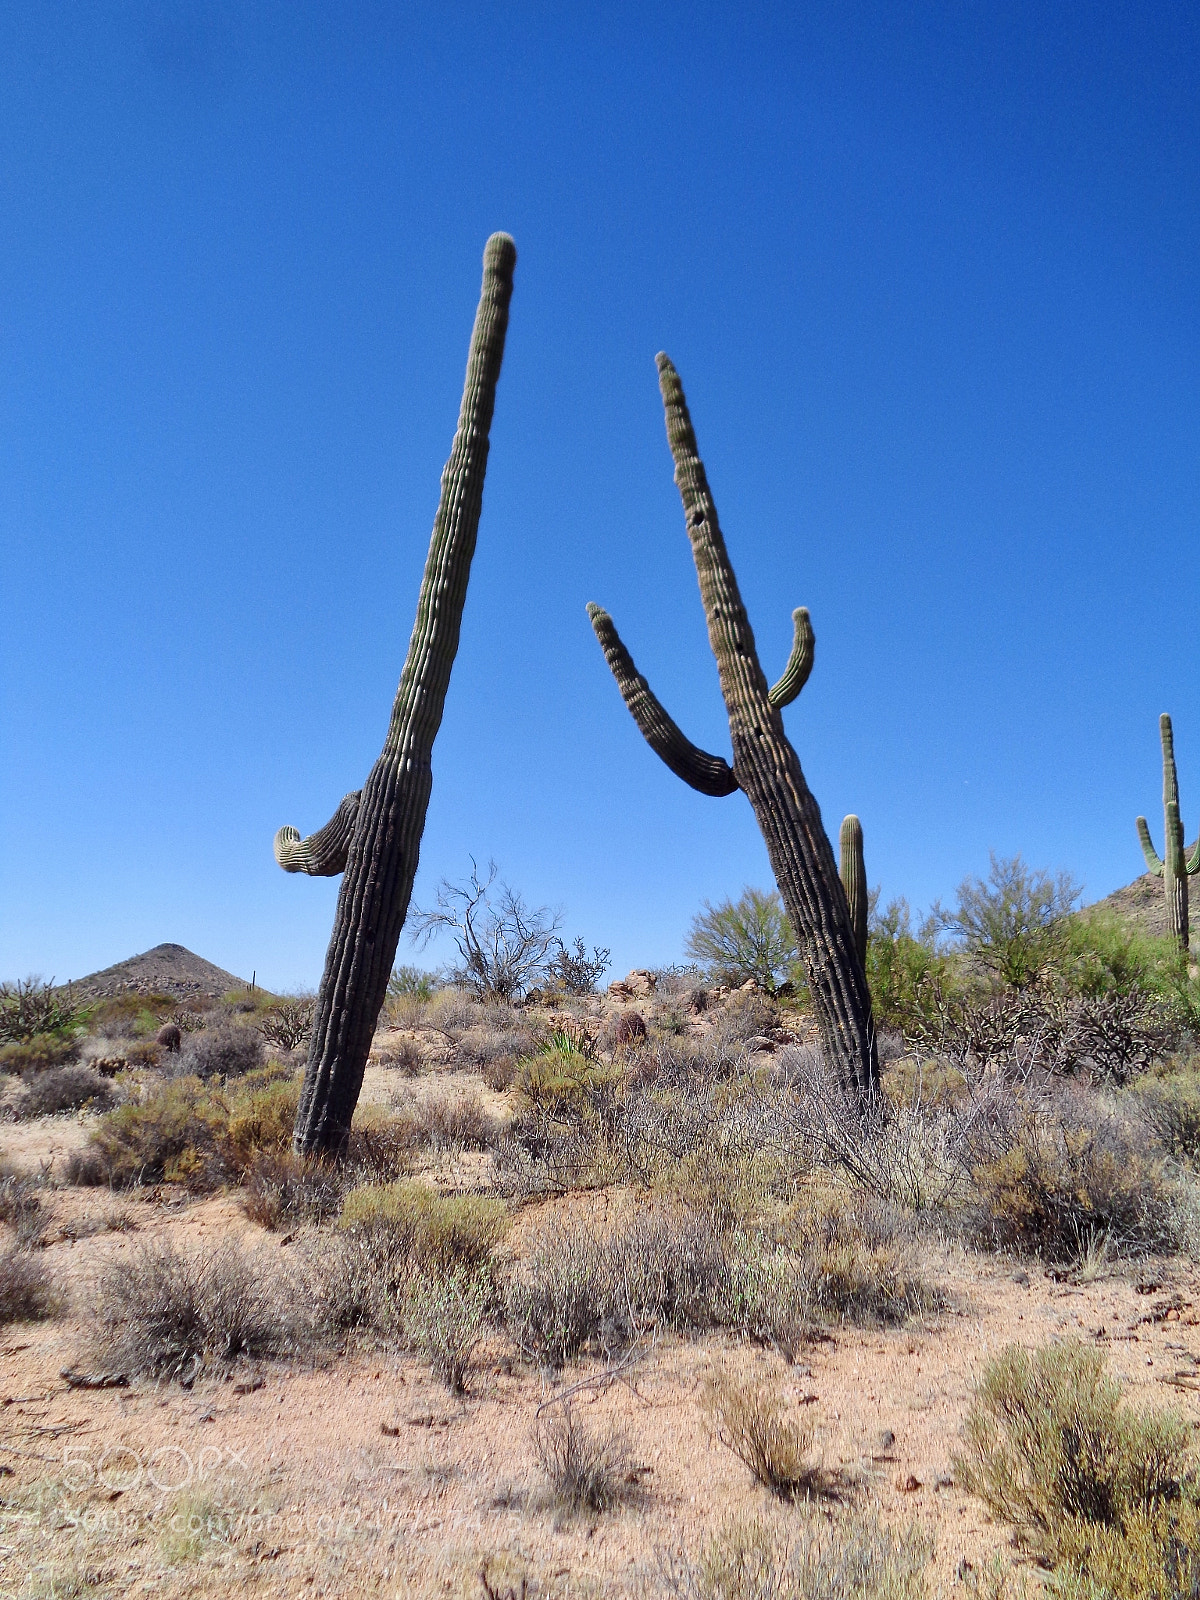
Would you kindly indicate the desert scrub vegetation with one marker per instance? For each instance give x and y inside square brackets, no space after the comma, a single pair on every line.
[27,1289]
[1106,1495]
[444,1317]
[750,1420]
[437,1232]
[166,1312]
[69,1088]
[30,1008]
[586,1468]
[749,938]
[851,1558]
[446,1119]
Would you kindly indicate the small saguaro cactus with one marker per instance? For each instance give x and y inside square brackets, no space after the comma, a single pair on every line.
[374,836]
[765,767]
[852,870]
[1174,868]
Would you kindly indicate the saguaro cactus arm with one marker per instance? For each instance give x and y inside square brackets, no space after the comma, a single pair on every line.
[852,870]
[800,662]
[710,774]
[322,854]
[1153,859]
[385,841]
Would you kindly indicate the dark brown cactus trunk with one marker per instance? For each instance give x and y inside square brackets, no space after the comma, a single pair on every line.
[385,827]
[765,767]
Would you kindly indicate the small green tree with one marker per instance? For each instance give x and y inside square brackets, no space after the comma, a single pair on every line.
[749,937]
[1011,923]
[903,962]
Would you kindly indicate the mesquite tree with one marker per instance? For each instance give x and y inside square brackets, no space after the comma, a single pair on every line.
[1175,867]
[765,767]
[374,837]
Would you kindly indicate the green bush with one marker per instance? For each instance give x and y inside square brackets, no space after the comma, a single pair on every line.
[437,1232]
[749,937]
[30,1007]
[902,966]
[176,1135]
[261,1121]
[1171,1105]
[1051,1448]
[40,1053]
[444,1319]
[1011,924]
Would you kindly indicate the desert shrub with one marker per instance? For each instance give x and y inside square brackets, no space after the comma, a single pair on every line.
[748,1419]
[437,1232]
[63,1089]
[1068,1173]
[177,1134]
[495,1051]
[750,937]
[586,1469]
[261,1120]
[579,1289]
[1171,1106]
[902,963]
[227,1052]
[575,972]
[1051,1449]
[30,1007]
[38,1054]
[450,1120]
[452,1010]
[505,947]
[856,1263]
[444,1319]
[741,1018]
[1012,923]
[21,1204]
[411,983]
[163,1312]
[561,1082]
[360,1278]
[855,1559]
[379,1150]
[27,1291]
[399,1055]
[283,1188]
[288,1022]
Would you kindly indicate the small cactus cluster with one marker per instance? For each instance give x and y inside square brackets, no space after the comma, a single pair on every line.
[1173,867]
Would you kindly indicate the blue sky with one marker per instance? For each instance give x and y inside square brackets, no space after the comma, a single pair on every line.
[929,274]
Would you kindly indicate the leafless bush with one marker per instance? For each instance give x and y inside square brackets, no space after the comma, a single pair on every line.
[450,1120]
[226,1052]
[575,971]
[63,1089]
[283,1188]
[399,1055]
[748,1418]
[288,1023]
[504,946]
[495,1051]
[21,1204]
[27,1291]
[453,1009]
[164,1312]
[582,1289]
[586,1469]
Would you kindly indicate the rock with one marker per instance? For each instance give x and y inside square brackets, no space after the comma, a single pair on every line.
[636,985]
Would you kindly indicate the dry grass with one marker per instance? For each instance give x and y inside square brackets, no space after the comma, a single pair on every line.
[748,1418]
[852,1559]
[283,1188]
[586,1469]
[449,1120]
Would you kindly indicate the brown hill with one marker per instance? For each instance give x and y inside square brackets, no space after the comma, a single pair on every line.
[1144,903]
[167,969]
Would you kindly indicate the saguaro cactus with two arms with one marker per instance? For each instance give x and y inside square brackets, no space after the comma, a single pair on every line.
[374,837]
[1174,868]
[765,767]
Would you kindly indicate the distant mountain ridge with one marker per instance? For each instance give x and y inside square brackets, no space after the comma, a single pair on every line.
[167,969]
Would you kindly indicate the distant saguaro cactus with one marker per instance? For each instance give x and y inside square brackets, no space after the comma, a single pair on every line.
[765,767]
[374,837]
[1174,868]
[853,872]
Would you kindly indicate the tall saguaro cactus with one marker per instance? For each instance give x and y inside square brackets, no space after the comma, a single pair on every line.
[374,837]
[1174,868]
[852,869]
[765,767]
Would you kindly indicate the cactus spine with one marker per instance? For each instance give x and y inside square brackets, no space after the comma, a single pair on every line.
[1174,868]
[765,767]
[374,837]
[852,870]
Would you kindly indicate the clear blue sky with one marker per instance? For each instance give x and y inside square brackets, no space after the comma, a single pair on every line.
[930,275]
